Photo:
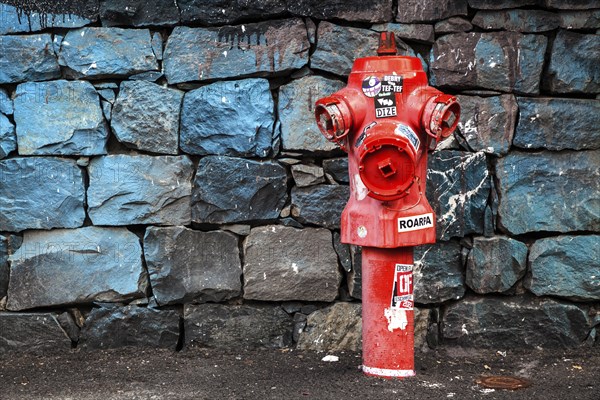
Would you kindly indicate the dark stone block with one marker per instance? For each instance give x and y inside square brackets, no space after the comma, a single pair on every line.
[500,4]
[588,19]
[27,58]
[191,266]
[337,168]
[246,190]
[557,124]
[32,333]
[139,13]
[418,32]
[131,326]
[519,322]
[548,192]
[429,10]
[15,20]
[233,118]
[223,12]
[307,175]
[320,205]
[438,273]
[565,266]
[517,20]
[570,4]
[76,266]
[40,193]
[237,327]
[337,328]
[283,263]
[4,267]
[355,276]
[452,25]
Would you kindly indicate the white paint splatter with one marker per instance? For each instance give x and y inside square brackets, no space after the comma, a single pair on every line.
[295,268]
[361,190]
[396,317]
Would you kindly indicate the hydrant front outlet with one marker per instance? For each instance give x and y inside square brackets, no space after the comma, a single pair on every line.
[387,119]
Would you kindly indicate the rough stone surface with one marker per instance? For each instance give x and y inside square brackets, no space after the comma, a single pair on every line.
[284,263]
[264,48]
[139,13]
[438,273]
[354,10]
[420,11]
[307,175]
[565,266]
[59,118]
[355,275]
[336,328]
[549,192]
[13,20]
[8,138]
[503,61]
[569,4]
[107,52]
[40,193]
[27,58]
[589,19]
[4,267]
[418,32]
[452,25]
[76,266]
[233,118]
[221,12]
[191,266]
[32,333]
[500,4]
[514,322]
[237,327]
[517,20]
[581,74]
[495,264]
[140,189]
[320,204]
[246,190]
[114,327]
[6,103]
[145,117]
[488,123]
[296,104]
[557,124]
[458,188]
[337,168]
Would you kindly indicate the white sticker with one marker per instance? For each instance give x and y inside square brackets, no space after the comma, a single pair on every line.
[408,133]
[414,223]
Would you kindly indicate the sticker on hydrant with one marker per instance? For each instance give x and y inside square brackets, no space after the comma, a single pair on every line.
[371,86]
[402,298]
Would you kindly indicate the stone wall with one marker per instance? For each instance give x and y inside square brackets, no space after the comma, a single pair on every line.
[162,182]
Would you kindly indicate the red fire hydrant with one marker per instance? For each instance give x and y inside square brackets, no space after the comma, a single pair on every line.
[387,119]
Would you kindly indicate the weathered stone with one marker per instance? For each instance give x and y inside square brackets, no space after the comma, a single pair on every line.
[565,266]
[549,192]
[108,95]
[233,118]
[458,187]
[264,48]
[438,273]
[6,103]
[59,118]
[157,45]
[588,19]
[13,20]
[146,117]
[4,267]
[32,333]
[246,190]
[514,322]
[130,326]
[418,32]
[8,139]
[127,190]
[238,229]
[500,4]
[343,252]
[282,263]
[296,113]
[504,61]
[517,20]
[76,266]
[40,193]
[488,123]
[139,13]
[320,205]
[237,327]
[420,11]
[355,10]
[307,175]
[452,25]
[222,12]
[191,266]
[355,276]
[150,76]
[495,264]
[27,58]
[570,4]
[557,124]
[581,74]
[337,168]
[107,52]
[333,329]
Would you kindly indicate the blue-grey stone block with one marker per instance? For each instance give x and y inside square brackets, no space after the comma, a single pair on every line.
[264,48]
[8,139]
[27,58]
[549,192]
[429,10]
[565,266]
[296,106]
[157,45]
[573,66]
[337,168]
[59,118]
[139,13]
[418,32]
[107,52]
[76,266]
[452,25]
[517,20]
[37,332]
[320,204]
[557,124]
[228,189]
[502,61]
[6,103]
[233,118]
[584,19]
[438,273]
[458,187]
[140,189]
[108,95]
[14,20]
[40,193]
[145,117]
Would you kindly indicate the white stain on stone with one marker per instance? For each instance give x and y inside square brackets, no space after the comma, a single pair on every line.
[295,268]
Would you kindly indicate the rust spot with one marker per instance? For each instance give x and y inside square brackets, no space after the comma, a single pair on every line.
[505,382]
